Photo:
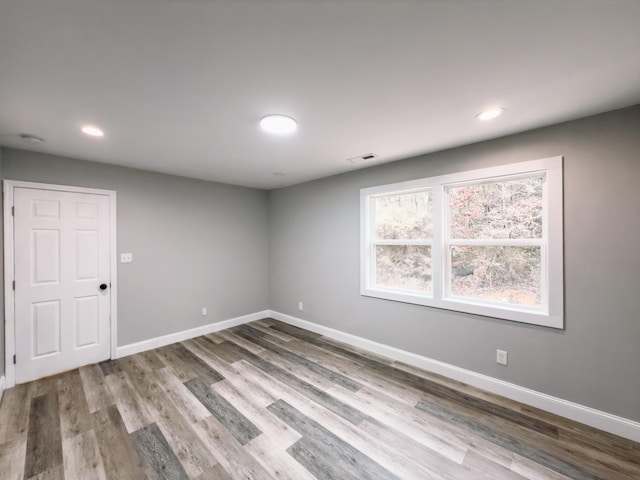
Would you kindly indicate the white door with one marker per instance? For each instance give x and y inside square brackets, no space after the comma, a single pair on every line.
[62,281]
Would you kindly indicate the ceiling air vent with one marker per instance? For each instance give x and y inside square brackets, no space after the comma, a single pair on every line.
[362,158]
[27,137]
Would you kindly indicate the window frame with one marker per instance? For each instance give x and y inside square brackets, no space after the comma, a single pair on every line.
[551,313]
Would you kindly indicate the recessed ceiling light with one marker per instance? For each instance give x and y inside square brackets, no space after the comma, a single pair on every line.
[490,113]
[27,137]
[278,124]
[92,131]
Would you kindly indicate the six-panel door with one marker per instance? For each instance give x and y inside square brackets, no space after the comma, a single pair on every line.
[61,259]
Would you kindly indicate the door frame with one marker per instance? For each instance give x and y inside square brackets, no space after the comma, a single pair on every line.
[9,187]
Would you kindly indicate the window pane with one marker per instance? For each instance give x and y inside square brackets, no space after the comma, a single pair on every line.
[509,209]
[404,267]
[406,216]
[497,274]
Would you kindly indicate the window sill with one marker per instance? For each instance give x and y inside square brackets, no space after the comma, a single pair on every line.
[511,312]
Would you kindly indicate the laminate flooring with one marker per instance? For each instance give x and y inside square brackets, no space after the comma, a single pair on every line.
[270,401]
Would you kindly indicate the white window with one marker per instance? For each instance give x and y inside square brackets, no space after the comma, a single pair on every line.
[487,242]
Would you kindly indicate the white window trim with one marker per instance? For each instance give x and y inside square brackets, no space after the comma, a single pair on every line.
[552,312]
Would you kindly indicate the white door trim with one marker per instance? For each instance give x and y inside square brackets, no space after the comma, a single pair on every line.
[9,267]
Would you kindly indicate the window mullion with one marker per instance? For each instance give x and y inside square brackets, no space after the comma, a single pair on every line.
[437,249]
[403,242]
[498,242]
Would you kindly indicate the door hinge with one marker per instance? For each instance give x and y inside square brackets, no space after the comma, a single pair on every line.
[13,211]
[14,359]
[14,284]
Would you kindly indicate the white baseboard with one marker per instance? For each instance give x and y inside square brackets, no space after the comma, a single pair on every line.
[589,416]
[1,387]
[156,342]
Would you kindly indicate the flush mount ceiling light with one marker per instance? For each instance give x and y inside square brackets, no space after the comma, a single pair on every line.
[490,113]
[92,131]
[278,124]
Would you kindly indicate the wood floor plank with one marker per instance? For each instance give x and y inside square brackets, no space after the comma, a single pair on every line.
[460,386]
[152,360]
[181,397]
[264,328]
[53,473]
[82,457]
[159,461]
[224,350]
[295,331]
[135,413]
[302,374]
[96,394]
[534,471]
[384,451]
[257,337]
[216,472]
[332,345]
[214,337]
[187,446]
[277,462]
[75,417]
[204,351]
[177,366]
[109,367]
[351,369]
[118,453]
[279,433]
[44,440]
[418,429]
[306,388]
[205,372]
[14,414]
[252,347]
[256,381]
[510,442]
[493,470]
[12,458]
[235,460]
[324,454]
[513,437]
[242,429]
[46,385]
[592,443]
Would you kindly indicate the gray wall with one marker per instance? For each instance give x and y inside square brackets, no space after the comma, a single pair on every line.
[314,258]
[194,243]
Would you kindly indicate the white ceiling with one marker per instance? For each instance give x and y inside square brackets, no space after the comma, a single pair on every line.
[179,85]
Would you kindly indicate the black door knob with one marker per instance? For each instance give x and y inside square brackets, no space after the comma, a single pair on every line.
[103,286]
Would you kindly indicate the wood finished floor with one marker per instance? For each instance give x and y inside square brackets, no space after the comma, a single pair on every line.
[270,401]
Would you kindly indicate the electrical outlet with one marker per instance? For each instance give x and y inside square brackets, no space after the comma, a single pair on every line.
[501,357]
[126,257]
[300,306]
[204,311]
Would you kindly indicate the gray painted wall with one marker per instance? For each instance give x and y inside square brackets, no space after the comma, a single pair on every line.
[314,258]
[194,243]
